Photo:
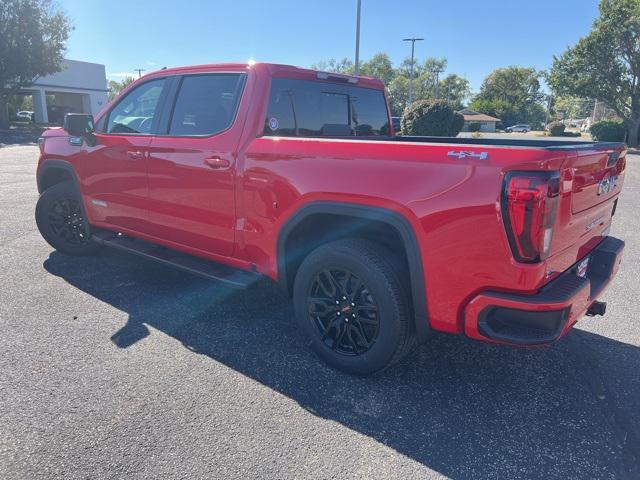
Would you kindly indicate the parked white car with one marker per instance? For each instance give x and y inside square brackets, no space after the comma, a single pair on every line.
[521,127]
[25,115]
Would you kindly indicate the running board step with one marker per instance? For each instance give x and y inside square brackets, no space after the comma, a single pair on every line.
[205,268]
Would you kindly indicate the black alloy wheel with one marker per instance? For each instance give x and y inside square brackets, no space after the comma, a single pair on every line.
[67,222]
[343,311]
[352,305]
[61,220]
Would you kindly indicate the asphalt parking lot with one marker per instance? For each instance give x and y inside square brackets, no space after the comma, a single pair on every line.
[115,367]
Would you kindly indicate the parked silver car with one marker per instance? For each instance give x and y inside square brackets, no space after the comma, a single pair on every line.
[521,127]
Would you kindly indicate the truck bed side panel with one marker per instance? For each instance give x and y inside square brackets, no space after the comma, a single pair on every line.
[453,201]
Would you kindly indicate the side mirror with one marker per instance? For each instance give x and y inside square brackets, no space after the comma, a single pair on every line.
[79,125]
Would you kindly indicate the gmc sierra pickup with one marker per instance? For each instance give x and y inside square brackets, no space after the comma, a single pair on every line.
[239,171]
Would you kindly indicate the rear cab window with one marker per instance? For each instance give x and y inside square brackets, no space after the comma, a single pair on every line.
[306,108]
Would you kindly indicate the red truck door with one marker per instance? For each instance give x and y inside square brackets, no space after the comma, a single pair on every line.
[192,164]
[114,170]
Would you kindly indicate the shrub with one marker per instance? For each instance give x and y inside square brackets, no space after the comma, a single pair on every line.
[431,118]
[474,127]
[608,131]
[571,134]
[556,129]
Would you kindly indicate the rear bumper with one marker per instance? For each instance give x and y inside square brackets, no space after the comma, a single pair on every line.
[529,320]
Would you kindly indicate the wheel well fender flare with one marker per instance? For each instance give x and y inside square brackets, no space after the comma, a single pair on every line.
[395,220]
[52,164]
[49,165]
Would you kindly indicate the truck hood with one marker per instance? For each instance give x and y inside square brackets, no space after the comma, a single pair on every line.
[54,132]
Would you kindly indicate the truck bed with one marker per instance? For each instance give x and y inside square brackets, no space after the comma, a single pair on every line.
[516,142]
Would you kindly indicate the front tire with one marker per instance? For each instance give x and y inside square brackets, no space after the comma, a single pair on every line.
[351,305]
[60,219]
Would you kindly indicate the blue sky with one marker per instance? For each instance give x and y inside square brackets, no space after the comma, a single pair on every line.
[475,36]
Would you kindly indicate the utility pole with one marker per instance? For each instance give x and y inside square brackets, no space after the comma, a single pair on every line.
[413,41]
[546,120]
[139,70]
[437,72]
[357,66]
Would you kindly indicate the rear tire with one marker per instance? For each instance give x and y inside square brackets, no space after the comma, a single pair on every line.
[352,306]
[60,219]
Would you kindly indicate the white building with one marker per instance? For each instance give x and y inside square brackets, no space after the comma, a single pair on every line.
[81,87]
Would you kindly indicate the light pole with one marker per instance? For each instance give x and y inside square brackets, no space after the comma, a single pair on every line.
[437,73]
[357,66]
[546,120]
[413,44]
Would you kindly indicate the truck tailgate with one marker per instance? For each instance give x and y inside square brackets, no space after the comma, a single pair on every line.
[595,178]
[591,182]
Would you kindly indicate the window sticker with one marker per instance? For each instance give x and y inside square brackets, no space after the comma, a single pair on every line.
[273,123]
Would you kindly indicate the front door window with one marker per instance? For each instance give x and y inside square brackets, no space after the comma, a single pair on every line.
[135,113]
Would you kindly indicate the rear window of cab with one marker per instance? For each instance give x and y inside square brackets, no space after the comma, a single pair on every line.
[303,108]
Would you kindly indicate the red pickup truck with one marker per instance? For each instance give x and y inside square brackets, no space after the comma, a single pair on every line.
[239,171]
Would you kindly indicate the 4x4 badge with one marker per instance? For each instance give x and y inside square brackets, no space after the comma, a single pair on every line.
[464,154]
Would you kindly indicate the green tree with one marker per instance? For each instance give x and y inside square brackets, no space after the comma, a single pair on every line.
[427,75]
[606,64]
[572,107]
[405,68]
[26,103]
[536,115]
[432,65]
[429,66]
[116,87]
[33,35]
[496,107]
[380,66]
[332,65]
[431,118]
[512,94]
[398,94]
[455,90]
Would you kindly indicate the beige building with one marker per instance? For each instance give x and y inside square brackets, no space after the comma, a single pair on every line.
[487,122]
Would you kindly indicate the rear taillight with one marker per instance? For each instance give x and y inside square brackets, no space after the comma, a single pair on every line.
[529,204]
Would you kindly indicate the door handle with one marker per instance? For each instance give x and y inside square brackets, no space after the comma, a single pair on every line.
[217,163]
[134,154]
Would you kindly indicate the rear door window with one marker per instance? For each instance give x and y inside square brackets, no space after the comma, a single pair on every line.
[206,104]
[316,109]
